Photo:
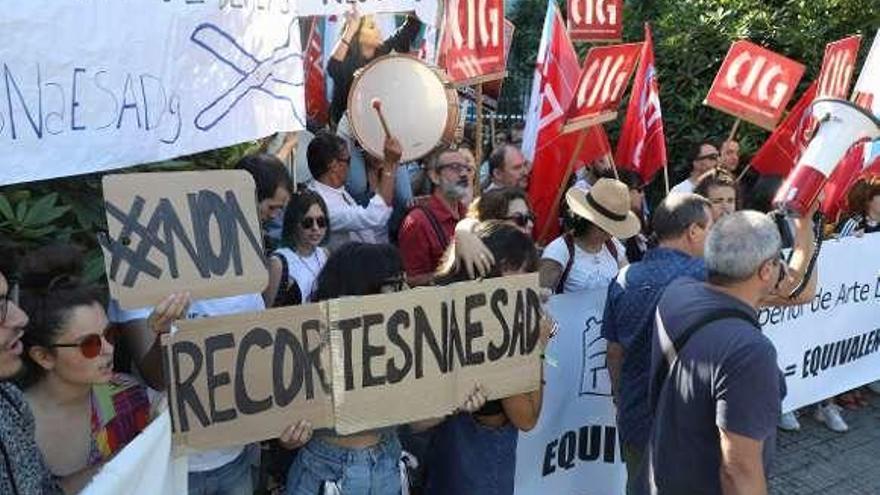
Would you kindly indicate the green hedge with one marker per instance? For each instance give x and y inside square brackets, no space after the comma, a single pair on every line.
[691,38]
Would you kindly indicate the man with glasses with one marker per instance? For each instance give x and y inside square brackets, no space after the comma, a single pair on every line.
[703,159]
[329,161]
[22,468]
[427,230]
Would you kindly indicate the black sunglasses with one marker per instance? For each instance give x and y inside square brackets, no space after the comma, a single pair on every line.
[710,156]
[522,219]
[309,222]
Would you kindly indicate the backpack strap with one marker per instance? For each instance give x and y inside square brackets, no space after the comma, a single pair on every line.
[612,248]
[288,290]
[435,225]
[569,243]
[672,348]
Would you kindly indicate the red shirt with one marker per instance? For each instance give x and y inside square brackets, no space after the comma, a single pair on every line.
[420,246]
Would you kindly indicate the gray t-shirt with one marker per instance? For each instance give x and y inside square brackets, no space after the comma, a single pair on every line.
[726,376]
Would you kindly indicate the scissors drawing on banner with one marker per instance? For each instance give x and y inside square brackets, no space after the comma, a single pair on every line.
[594,370]
[274,75]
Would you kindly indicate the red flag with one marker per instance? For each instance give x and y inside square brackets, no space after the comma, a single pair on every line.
[844,176]
[642,143]
[781,151]
[317,107]
[554,83]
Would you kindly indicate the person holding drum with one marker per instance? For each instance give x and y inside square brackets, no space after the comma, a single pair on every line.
[361,42]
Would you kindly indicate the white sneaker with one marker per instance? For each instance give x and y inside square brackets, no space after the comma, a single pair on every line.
[875,387]
[830,415]
[789,422]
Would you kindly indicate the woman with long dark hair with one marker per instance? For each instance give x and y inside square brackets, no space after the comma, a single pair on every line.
[476,452]
[294,267]
[367,462]
[84,412]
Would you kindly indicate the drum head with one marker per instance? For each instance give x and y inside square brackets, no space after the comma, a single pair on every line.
[414,102]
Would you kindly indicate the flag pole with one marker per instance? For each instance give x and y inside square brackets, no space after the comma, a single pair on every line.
[733,130]
[569,169]
[478,152]
[613,165]
[666,177]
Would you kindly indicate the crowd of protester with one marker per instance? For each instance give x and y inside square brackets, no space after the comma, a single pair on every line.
[81,377]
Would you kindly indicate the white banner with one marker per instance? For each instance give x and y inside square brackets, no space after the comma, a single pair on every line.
[575,448]
[831,345]
[144,467]
[426,10]
[91,85]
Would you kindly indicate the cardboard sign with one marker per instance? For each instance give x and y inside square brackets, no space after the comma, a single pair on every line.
[472,47]
[387,359]
[595,20]
[418,355]
[492,89]
[754,84]
[194,231]
[603,79]
[92,85]
[244,378]
[838,67]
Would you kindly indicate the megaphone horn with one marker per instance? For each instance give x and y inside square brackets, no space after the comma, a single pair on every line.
[841,124]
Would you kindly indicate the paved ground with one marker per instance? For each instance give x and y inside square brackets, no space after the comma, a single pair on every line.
[817,461]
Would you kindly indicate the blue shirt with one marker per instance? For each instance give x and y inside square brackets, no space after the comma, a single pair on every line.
[629,321]
[725,377]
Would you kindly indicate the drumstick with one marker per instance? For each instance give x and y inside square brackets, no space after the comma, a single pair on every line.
[377,106]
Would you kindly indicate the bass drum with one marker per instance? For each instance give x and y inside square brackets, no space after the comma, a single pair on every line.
[419,105]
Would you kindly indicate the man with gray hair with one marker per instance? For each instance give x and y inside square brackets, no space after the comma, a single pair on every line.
[427,230]
[680,223]
[715,381]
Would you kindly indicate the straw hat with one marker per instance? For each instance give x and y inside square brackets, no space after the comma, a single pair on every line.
[606,204]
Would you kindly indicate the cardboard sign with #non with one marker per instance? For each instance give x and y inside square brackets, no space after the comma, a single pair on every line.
[176,231]
[754,84]
[472,41]
[239,379]
[595,20]
[419,354]
[603,79]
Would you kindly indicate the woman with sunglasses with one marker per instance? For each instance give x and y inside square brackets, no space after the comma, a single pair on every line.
[294,268]
[507,204]
[367,462]
[476,452]
[84,412]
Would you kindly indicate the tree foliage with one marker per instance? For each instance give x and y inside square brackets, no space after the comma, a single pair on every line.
[691,38]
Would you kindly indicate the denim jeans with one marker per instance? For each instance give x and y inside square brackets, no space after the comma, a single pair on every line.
[231,479]
[371,471]
[469,457]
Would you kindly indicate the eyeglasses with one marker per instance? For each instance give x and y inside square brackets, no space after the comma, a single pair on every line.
[457,167]
[521,219]
[710,156]
[309,222]
[11,297]
[91,345]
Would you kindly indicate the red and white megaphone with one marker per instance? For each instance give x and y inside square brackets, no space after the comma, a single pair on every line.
[841,124]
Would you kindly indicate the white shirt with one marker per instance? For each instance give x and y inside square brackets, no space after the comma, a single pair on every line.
[684,187]
[206,460]
[589,271]
[350,221]
[304,270]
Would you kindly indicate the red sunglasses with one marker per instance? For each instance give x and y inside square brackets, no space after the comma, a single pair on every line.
[90,346]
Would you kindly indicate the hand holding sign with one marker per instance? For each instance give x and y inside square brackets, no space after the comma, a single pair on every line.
[296,435]
[171,309]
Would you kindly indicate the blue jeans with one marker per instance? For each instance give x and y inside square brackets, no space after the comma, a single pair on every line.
[231,479]
[371,471]
[469,457]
